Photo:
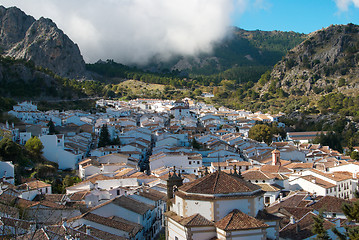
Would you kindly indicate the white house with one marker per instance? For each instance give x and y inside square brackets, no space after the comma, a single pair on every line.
[54,151]
[338,184]
[186,162]
[29,190]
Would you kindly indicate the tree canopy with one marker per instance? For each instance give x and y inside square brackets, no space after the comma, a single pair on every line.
[34,146]
[51,126]
[261,133]
[104,138]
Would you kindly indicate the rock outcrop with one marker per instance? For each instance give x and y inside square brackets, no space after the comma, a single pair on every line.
[327,60]
[41,41]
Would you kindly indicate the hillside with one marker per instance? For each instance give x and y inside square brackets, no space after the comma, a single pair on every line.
[23,37]
[240,49]
[326,62]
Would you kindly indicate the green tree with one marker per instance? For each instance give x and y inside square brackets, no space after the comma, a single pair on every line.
[9,150]
[331,139]
[351,211]
[354,155]
[34,146]
[261,133]
[45,170]
[51,126]
[318,227]
[104,138]
[69,181]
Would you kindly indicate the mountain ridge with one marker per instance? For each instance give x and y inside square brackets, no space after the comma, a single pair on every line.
[40,41]
[327,60]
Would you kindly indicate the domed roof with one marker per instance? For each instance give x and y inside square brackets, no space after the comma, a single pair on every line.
[219,183]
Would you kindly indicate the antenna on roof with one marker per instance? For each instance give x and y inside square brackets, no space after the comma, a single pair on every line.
[219,167]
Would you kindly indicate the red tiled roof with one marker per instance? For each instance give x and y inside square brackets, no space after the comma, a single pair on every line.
[237,220]
[219,183]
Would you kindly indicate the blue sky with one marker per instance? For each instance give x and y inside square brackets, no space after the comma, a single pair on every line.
[302,16]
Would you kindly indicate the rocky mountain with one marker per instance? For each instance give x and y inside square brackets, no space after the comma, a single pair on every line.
[328,60]
[23,37]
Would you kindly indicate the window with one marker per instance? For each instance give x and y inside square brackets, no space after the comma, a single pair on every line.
[198,162]
[266,200]
[189,162]
[118,192]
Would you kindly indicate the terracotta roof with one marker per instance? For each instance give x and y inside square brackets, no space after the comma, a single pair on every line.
[152,194]
[256,175]
[303,228]
[290,201]
[191,221]
[318,181]
[330,204]
[296,212]
[219,183]
[265,216]
[336,176]
[33,185]
[113,222]
[275,169]
[237,220]
[78,196]
[100,234]
[269,187]
[299,165]
[50,197]
[129,204]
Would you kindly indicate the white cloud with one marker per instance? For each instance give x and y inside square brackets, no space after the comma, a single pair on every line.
[133,31]
[343,5]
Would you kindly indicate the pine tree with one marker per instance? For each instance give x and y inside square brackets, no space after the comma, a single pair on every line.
[104,138]
[51,126]
[351,211]
[318,227]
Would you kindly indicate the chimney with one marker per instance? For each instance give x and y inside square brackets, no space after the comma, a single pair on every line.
[292,220]
[276,157]
[88,230]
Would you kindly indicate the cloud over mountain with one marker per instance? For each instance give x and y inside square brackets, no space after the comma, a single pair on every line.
[134,31]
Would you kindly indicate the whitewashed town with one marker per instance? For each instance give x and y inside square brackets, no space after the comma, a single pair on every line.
[173,170]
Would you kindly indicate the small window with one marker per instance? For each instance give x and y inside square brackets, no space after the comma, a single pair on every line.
[198,162]
[118,192]
[189,162]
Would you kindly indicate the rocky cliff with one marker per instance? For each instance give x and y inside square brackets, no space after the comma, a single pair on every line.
[328,60]
[23,37]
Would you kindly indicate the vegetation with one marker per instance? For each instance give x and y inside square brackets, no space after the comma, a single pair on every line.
[318,228]
[104,138]
[51,126]
[351,211]
[34,146]
[261,133]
